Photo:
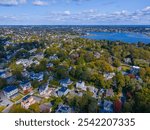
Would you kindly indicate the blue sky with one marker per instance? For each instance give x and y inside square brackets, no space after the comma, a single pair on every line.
[74,12]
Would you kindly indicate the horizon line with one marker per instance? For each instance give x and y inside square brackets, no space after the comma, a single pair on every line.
[76,25]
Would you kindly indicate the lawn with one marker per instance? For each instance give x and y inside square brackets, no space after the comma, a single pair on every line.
[125,67]
[17,98]
[2,108]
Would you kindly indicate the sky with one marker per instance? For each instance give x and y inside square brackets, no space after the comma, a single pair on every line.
[74,12]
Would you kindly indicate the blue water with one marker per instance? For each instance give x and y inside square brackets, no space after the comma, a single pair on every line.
[116,36]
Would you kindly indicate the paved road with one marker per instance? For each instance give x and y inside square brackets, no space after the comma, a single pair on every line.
[5,102]
[7,109]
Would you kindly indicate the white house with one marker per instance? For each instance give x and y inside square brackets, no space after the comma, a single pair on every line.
[26,86]
[135,70]
[108,76]
[43,89]
[62,91]
[10,91]
[37,76]
[27,101]
[63,109]
[108,106]
[81,85]
[65,82]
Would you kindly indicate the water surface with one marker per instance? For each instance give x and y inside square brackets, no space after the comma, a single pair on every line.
[117,36]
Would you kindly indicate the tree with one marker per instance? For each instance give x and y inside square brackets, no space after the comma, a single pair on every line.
[80,61]
[103,66]
[120,81]
[142,73]
[41,66]
[84,104]
[128,107]
[16,70]
[3,83]
[35,84]
[98,80]
[142,101]
[35,108]
[117,106]
[16,108]
[61,72]
[116,63]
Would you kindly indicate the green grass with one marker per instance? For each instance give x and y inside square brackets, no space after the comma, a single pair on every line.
[2,108]
[125,67]
[17,98]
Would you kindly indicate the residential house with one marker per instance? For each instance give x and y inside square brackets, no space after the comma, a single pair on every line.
[33,50]
[109,93]
[7,43]
[93,90]
[127,60]
[63,109]
[81,85]
[24,62]
[39,56]
[63,91]
[27,101]
[49,65]
[37,76]
[76,93]
[134,70]
[43,89]
[102,91]
[109,76]
[10,91]
[107,107]
[35,62]
[25,73]
[54,57]
[65,82]
[26,86]
[47,107]
[97,55]
[5,74]
[11,80]
[117,106]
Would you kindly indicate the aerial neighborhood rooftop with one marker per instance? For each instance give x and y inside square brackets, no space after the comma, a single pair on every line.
[57,71]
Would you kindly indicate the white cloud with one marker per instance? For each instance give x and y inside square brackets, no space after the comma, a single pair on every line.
[96,17]
[39,3]
[11,2]
[146,8]
[67,12]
